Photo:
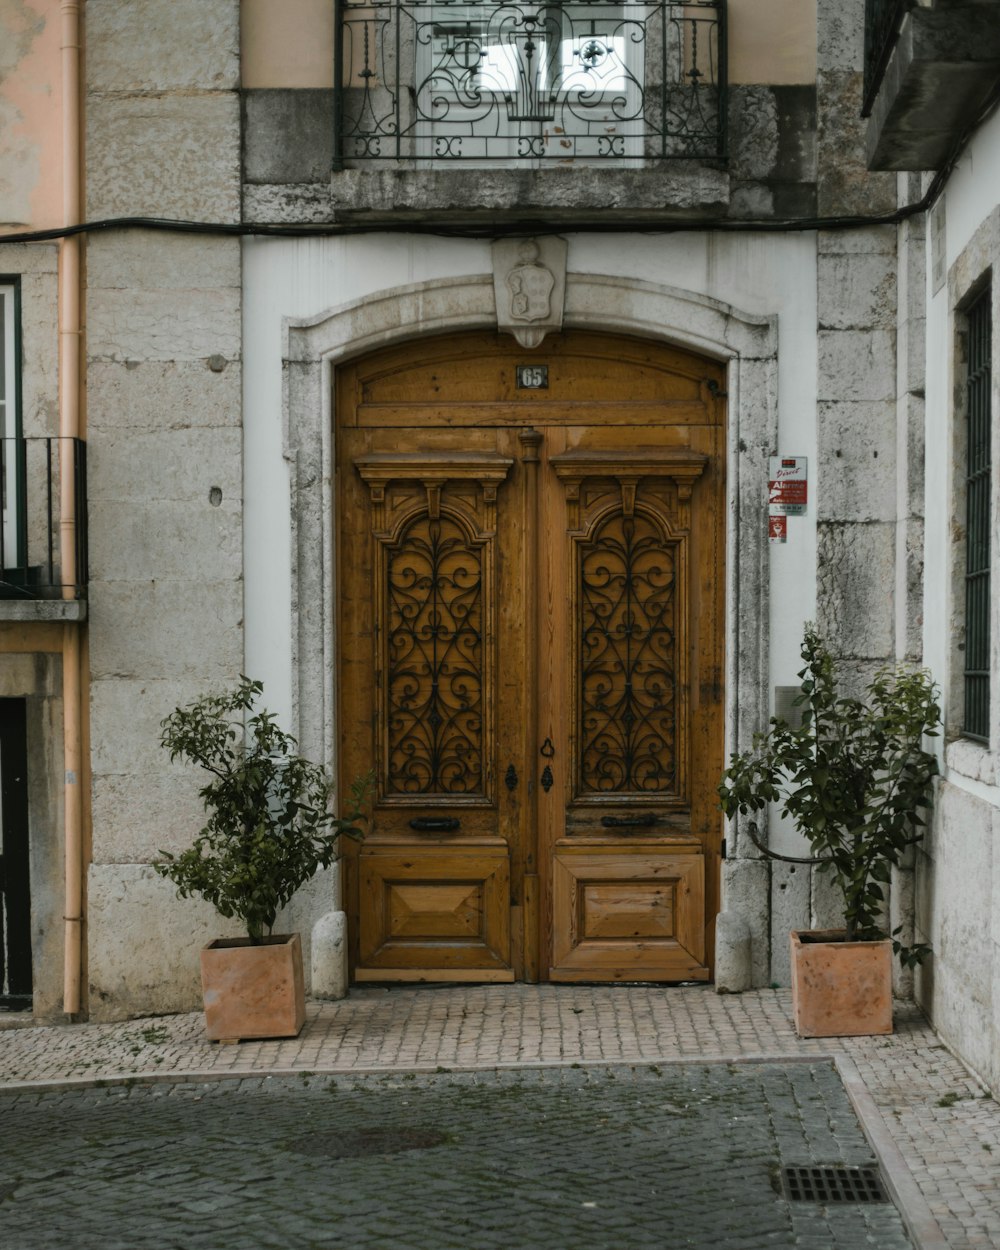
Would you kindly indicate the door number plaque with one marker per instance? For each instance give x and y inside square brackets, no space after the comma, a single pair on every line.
[532,377]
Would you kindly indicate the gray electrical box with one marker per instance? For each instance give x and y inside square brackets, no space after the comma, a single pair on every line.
[784,704]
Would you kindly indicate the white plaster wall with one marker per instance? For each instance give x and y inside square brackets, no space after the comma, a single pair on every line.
[768,275]
[958,888]
[773,277]
[972,193]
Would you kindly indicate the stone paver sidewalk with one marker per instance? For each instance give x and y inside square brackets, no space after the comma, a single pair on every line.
[935,1129]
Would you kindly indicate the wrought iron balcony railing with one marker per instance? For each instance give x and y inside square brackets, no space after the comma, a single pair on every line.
[883,19]
[32,491]
[431,81]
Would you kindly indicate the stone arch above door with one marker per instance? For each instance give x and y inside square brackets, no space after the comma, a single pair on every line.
[747,342]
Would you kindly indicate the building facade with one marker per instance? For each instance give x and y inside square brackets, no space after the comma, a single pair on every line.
[428,363]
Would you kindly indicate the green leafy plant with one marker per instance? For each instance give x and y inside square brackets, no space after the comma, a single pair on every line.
[854,778]
[270,825]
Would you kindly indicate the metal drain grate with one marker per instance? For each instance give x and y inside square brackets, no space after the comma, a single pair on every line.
[832,1184]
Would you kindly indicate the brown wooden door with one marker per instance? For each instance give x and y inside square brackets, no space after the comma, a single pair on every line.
[530,642]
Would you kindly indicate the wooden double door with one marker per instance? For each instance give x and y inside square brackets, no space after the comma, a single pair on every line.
[530,627]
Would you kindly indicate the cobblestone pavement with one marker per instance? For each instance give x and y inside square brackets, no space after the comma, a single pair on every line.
[935,1129]
[601,1158]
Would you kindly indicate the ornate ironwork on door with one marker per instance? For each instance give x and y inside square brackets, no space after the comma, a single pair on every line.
[434,661]
[629,521]
[627,719]
[477,80]
[434,525]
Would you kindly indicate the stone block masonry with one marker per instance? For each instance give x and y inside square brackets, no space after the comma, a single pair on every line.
[165,466]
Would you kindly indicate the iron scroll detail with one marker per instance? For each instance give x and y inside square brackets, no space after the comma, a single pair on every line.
[435,661]
[628,662]
[517,81]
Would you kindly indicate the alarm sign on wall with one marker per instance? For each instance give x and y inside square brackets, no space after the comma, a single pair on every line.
[787,487]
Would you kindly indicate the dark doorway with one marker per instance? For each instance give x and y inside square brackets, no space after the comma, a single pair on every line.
[15,892]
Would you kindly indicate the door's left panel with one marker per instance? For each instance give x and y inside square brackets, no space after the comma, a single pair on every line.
[429,700]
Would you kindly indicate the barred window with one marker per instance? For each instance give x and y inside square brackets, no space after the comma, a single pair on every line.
[977,541]
[9,427]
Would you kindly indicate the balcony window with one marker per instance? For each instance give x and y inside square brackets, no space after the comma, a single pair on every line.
[580,82]
[40,557]
[11,528]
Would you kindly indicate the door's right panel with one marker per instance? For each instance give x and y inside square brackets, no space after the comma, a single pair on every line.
[633,552]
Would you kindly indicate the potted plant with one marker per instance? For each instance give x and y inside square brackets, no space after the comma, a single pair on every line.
[855,779]
[270,828]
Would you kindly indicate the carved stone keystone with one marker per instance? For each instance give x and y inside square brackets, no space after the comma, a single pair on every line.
[529,279]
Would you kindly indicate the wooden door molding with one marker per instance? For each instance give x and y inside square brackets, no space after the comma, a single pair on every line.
[423,702]
[327,356]
[629,852]
[532,592]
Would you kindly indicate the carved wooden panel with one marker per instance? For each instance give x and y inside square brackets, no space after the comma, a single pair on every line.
[440,912]
[629,522]
[434,520]
[432,660]
[529,635]
[627,663]
[626,912]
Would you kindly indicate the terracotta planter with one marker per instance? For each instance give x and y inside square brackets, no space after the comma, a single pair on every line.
[253,991]
[840,989]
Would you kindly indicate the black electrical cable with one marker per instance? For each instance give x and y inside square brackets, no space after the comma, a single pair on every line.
[487,230]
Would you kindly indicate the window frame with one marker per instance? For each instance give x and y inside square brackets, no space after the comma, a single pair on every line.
[977,326]
[13,537]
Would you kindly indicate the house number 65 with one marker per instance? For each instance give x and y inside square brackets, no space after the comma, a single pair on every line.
[532,377]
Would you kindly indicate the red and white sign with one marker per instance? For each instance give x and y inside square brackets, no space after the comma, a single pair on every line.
[777,528]
[787,488]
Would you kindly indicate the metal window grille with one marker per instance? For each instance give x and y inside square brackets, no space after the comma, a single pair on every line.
[978,486]
[530,83]
[883,19]
[32,524]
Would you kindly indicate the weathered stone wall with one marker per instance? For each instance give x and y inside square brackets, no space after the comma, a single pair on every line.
[165,465]
[854,484]
[771,171]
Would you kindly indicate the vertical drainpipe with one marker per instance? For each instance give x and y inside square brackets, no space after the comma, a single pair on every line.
[69,428]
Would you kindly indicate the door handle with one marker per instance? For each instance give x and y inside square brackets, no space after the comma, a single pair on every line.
[435,824]
[547,751]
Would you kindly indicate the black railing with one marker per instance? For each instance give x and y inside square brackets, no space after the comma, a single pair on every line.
[883,19]
[31,518]
[545,83]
